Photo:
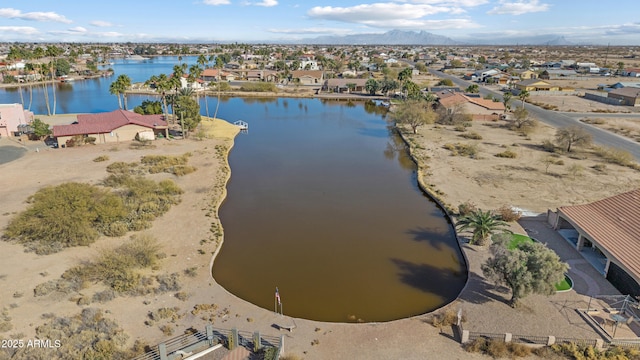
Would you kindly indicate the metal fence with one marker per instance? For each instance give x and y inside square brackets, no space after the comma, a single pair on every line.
[178,346]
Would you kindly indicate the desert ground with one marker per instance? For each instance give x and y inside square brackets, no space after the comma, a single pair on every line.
[487,181]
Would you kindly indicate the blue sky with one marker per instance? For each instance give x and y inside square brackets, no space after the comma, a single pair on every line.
[582,22]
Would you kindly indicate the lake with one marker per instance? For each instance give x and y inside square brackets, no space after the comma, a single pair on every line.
[322,203]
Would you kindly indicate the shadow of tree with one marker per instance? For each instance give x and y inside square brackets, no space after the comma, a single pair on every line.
[445,283]
[436,237]
[479,291]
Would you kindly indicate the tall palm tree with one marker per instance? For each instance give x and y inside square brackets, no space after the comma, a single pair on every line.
[43,77]
[114,89]
[203,61]
[482,224]
[119,87]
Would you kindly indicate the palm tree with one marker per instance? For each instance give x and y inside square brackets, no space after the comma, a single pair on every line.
[114,89]
[523,95]
[203,61]
[506,97]
[482,224]
[119,87]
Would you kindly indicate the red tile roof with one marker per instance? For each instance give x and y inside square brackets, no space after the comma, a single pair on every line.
[107,122]
[614,224]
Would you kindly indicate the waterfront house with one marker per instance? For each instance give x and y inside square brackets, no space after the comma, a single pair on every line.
[308,77]
[112,127]
[606,234]
[477,107]
[344,85]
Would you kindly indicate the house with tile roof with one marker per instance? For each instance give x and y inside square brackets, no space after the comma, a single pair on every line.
[111,127]
[607,233]
[477,107]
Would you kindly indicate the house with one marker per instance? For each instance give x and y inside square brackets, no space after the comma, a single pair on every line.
[607,231]
[526,74]
[110,127]
[262,75]
[478,108]
[196,85]
[217,75]
[630,96]
[308,77]
[343,85]
[632,72]
[11,117]
[535,85]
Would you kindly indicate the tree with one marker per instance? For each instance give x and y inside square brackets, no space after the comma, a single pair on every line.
[524,94]
[148,107]
[119,87]
[522,121]
[387,85]
[412,90]
[40,128]
[445,82]
[473,89]
[572,135]
[372,86]
[506,97]
[203,61]
[530,268]
[482,224]
[414,113]
[405,75]
[188,111]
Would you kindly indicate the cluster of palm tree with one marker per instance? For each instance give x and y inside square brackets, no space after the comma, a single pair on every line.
[119,88]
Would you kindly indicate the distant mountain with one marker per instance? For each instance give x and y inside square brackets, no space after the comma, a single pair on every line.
[551,40]
[393,37]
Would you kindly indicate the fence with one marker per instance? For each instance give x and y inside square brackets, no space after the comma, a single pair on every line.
[602,99]
[186,344]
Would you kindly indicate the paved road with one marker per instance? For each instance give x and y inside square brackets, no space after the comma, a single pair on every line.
[559,120]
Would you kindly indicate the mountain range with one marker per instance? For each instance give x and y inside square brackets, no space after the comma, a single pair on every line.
[399,37]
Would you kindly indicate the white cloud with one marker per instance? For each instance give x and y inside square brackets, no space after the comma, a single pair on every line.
[216,2]
[11,13]
[375,12]
[519,7]
[100,23]
[23,30]
[78,29]
[267,3]
[319,30]
[394,15]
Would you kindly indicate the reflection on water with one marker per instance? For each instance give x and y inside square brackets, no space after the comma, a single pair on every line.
[323,203]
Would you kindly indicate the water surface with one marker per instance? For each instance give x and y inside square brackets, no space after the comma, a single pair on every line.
[323,203]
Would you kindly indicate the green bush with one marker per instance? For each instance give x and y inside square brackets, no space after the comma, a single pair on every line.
[65,215]
[259,87]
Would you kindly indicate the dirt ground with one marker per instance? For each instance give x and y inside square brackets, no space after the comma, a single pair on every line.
[573,103]
[524,182]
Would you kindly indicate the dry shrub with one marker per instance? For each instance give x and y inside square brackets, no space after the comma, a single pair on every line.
[508,214]
[478,345]
[462,149]
[101,158]
[467,208]
[519,350]
[167,329]
[497,348]
[615,156]
[447,318]
[471,135]
[548,146]
[507,154]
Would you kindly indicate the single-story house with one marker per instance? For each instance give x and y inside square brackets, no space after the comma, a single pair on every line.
[11,117]
[526,74]
[342,85]
[610,228]
[308,77]
[536,85]
[477,107]
[110,127]
[217,75]
[262,75]
[630,96]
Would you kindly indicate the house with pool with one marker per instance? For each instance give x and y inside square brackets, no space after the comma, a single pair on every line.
[607,233]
